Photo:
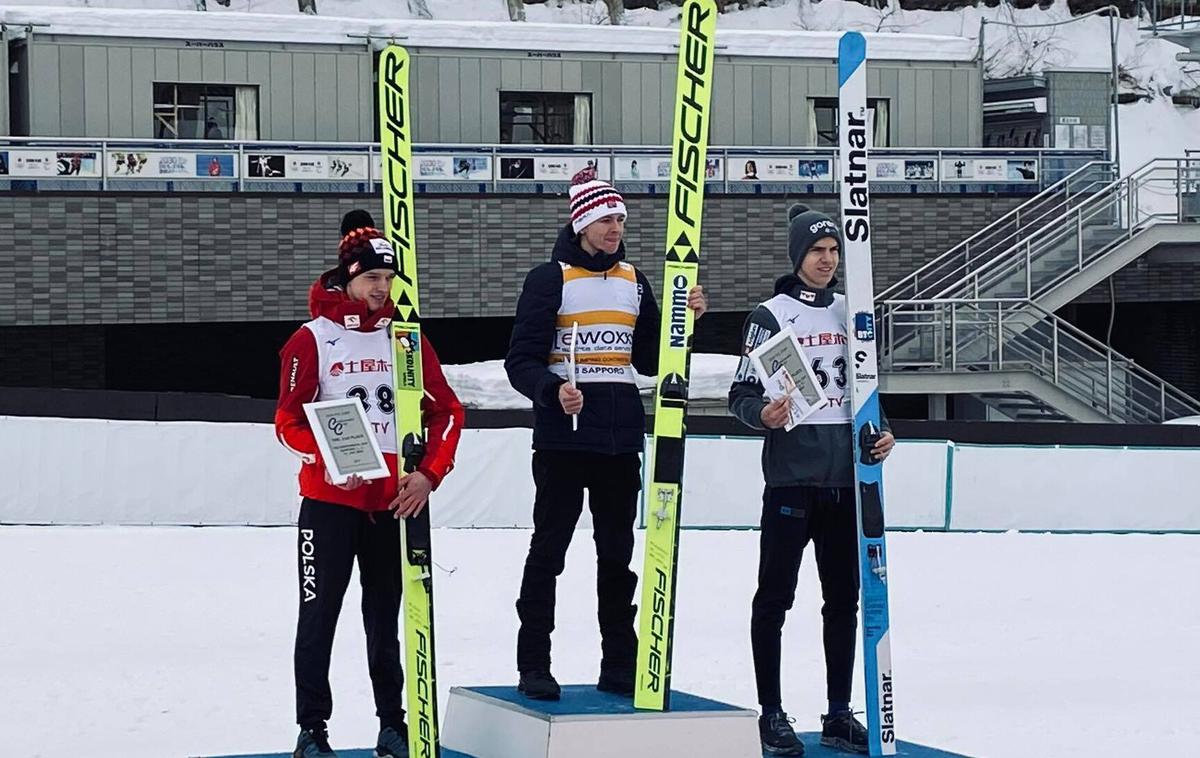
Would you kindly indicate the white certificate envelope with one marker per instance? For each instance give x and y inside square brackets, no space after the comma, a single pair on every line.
[785,371]
[346,440]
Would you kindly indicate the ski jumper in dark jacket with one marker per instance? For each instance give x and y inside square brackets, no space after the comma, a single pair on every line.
[809,494]
[618,321]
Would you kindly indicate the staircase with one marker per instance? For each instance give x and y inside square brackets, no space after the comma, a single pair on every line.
[1045,371]
[980,318]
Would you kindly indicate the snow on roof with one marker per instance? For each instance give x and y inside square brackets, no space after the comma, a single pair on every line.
[470,35]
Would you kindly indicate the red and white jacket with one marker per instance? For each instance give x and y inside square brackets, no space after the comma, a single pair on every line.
[344,351]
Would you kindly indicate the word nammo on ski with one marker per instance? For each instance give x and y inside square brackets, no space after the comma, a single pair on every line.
[679,309]
[856,220]
[658,628]
[691,115]
[398,211]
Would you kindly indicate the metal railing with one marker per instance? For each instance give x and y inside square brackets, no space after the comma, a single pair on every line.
[486,167]
[1188,15]
[1084,368]
[1000,236]
[1068,244]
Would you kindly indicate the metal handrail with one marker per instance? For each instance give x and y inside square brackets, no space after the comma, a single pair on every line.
[1052,348]
[1021,237]
[1178,23]
[1123,191]
[963,249]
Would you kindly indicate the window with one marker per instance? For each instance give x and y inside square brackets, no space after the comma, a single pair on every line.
[205,111]
[1021,134]
[823,121]
[545,118]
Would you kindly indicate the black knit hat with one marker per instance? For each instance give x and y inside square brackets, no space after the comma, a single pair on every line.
[805,228]
[362,250]
[356,219]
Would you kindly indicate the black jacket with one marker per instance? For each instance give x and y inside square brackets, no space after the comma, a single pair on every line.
[814,455]
[612,420]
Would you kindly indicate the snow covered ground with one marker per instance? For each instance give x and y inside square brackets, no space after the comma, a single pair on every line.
[157,642]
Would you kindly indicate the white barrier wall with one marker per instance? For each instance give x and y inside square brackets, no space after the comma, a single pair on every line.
[723,483]
[139,472]
[1086,488]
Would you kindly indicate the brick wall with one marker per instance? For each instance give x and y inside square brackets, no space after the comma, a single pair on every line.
[127,258]
[204,266]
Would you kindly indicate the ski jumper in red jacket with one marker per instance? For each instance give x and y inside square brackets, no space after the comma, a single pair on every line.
[344,351]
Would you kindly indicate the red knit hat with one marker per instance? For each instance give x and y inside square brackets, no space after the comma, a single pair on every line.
[364,249]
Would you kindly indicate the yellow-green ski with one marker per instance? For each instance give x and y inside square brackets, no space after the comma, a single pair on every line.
[689,148]
[396,147]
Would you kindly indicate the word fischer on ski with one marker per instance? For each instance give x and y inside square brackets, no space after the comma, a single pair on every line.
[692,115]
[658,630]
[424,697]
[397,200]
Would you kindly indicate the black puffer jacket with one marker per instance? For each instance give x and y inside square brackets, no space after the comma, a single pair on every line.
[612,420]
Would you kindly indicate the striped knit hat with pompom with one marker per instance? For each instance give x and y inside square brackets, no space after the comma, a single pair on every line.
[362,250]
[592,201]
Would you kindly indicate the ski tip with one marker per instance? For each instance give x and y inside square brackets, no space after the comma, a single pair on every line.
[396,51]
[852,52]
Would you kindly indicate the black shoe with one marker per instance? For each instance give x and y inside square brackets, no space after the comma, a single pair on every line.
[539,685]
[313,742]
[392,742]
[619,680]
[777,736]
[843,732]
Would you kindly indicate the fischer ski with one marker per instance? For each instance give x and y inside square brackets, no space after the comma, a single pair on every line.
[855,137]
[689,147]
[408,383]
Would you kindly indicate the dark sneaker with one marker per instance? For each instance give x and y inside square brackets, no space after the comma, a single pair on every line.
[392,742]
[313,743]
[777,736]
[539,685]
[618,680]
[843,732]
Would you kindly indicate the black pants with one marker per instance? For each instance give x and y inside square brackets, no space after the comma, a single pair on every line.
[612,482]
[330,538]
[791,517]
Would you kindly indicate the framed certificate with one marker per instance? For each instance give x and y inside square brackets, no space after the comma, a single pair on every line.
[346,440]
[785,371]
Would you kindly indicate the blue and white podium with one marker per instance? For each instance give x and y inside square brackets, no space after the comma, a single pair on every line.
[500,722]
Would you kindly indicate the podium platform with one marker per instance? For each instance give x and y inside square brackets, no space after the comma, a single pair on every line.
[500,722]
